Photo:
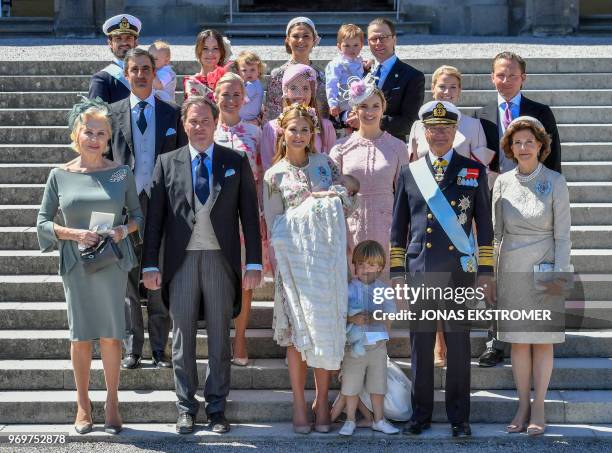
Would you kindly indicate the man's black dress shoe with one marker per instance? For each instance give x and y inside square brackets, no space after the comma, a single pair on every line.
[160,360]
[415,427]
[131,362]
[218,423]
[461,429]
[491,357]
[184,423]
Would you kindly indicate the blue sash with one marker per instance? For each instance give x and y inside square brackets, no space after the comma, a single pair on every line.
[445,215]
[116,72]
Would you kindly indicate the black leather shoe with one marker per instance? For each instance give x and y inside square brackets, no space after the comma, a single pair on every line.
[184,423]
[131,362]
[491,357]
[160,360]
[415,427]
[461,429]
[218,423]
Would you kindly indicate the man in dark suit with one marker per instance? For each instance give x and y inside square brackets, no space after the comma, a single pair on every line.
[402,85]
[143,128]
[437,199]
[508,75]
[110,84]
[200,196]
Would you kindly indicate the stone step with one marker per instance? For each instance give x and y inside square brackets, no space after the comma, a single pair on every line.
[585,132]
[55,344]
[26,173]
[29,83]
[266,30]
[35,154]
[264,406]
[52,315]
[586,152]
[17,262]
[582,214]
[556,97]
[580,192]
[272,374]
[54,154]
[597,171]
[590,237]
[428,65]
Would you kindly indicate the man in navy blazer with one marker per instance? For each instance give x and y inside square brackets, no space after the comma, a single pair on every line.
[402,85]
[110,84]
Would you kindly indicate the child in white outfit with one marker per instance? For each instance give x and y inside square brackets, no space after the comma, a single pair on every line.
[164,84]
[365,357]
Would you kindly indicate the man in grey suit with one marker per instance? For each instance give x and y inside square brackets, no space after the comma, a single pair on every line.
[143,128]
[201,195]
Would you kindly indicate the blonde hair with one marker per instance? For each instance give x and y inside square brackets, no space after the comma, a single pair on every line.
[293,113]
[79,123]
[229,77]
[162,46]
[349,31]
[247,57]
[370,252]
[445,70]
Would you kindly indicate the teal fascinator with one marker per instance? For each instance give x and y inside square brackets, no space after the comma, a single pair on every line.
[86,104]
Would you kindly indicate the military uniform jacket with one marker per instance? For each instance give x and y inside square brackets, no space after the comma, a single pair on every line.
[418,242]
[107,88]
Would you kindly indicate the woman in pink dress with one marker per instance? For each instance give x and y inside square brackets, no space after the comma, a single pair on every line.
[374,157]
[234,133]
[299,86]
[213,52]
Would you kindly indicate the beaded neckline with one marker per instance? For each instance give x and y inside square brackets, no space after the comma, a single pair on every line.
[531,176]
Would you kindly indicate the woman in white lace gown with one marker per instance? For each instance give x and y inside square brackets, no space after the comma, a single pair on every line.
[531,219]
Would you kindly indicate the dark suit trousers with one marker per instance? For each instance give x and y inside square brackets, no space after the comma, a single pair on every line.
[158,319]
[458,355]
[204,275]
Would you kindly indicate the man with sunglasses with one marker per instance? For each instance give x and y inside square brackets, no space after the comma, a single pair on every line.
[402,85]
[110,83]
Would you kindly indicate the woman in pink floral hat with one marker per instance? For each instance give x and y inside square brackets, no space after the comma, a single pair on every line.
[299,86]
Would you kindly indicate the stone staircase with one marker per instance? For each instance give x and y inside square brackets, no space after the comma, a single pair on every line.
[36,383]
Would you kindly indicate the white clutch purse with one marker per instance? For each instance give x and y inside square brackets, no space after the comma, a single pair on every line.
[545,272]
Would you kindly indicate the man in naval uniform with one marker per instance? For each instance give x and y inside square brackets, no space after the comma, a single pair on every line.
[110,83]
[432,246]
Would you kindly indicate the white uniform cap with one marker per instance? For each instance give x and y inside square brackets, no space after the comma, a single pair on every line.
[439,112]
[122,23]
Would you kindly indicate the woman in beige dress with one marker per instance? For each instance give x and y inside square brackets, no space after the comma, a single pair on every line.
[531,220]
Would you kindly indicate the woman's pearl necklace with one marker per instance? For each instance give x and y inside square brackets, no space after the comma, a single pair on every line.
[529,177]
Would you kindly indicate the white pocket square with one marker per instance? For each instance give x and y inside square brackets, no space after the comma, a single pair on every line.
[170,132]
[230,172]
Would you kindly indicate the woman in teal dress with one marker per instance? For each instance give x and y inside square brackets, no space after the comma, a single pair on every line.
[95,302]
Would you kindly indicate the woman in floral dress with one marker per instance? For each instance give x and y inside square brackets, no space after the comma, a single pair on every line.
[234,133]
[301,38]
[213,52]
[308,230]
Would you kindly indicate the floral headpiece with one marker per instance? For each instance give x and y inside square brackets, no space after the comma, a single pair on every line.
[310,111]
[297,70]
[358,90]
[86,104]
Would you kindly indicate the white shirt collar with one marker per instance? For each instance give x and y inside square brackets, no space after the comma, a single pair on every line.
[447,157]
[516,100]
[134,100]
[194,152]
